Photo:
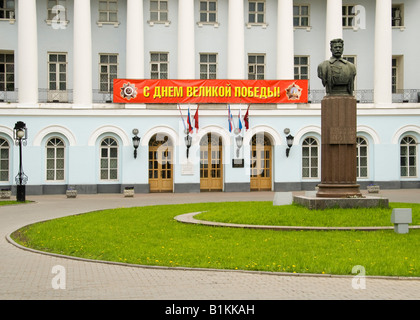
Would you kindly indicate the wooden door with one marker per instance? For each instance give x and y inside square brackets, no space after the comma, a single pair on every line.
[261,164]
[160,166]
[211,163]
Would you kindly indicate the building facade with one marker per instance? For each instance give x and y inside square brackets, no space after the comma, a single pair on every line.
[58,60]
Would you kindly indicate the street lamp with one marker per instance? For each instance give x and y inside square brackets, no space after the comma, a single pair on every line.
[136,142]
[20,136]
[188,142]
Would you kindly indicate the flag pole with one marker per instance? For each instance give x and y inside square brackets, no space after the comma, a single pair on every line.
[183,122]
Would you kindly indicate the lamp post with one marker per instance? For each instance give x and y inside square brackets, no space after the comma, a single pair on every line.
[20,136]
[136,142]
[188,142]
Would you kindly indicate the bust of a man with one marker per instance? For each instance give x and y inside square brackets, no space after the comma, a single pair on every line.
[337,74]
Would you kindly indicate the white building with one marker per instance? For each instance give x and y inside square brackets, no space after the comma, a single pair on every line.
[58,59]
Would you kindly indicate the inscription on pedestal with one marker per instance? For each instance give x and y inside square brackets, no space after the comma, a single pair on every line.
[340,135]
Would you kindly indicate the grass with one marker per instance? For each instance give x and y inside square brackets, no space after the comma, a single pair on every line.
[11,202]
[264,213]
[150,236]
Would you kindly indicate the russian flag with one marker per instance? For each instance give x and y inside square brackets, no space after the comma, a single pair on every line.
[190,127]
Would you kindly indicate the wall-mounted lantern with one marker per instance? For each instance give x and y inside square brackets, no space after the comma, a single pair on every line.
[188,143]
[136,142]
[289,141]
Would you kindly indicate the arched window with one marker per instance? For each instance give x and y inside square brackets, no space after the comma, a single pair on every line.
[362,158]
[408,157]
[55,159]
[310,163]
[109,159]
[4,160]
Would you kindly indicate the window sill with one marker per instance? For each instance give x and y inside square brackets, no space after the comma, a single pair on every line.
[59,22]
[203,23]
[101,23]
[402,28]
[152,23]
[11,21]
[307,28]
[254,24]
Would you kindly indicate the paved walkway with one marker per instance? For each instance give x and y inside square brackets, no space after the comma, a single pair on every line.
[29,275]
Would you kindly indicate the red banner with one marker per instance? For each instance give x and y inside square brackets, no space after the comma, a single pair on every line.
[210,91]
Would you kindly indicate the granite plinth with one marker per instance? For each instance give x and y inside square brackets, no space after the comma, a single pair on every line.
[314,203]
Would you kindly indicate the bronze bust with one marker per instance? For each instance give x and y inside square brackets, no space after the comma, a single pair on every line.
[337,74]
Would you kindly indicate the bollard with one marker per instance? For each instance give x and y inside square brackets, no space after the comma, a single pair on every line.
[401,218]
[282,198]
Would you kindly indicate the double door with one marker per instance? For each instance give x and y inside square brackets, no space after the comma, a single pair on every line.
[160,168]
[261,164]
[211,163]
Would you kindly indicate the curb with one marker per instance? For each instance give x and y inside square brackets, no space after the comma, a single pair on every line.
[189,218]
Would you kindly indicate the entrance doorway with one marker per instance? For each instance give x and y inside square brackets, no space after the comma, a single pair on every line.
[211,163]
[261,163]
[160,164]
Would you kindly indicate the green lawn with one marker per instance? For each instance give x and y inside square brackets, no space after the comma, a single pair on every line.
[150,236]
[11,202]
[264,213]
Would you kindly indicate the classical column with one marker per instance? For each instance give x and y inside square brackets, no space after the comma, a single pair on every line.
[334,28]
[236,40]
[383,53]
[285,40]
[135,40]
[186,48]
[27,59]
[82,51]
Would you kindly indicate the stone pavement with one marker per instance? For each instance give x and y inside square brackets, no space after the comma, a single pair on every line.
[29,275]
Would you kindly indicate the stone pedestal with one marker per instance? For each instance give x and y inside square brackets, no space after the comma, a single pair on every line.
[338,151]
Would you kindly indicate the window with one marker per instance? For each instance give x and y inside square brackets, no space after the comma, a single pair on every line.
[208,11]
[256,12]
[7,71]
[397,74]
[301,67]
[256,66]
[4,160]
[7,9]
[108,10]
[301,16]
[109,159]
[408,156]
[349,14]
[55,160]
[397,15]
[108,71]
[159,65]
[208,65]
[362,158]
[57,77]
[159,11]
[310,158]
